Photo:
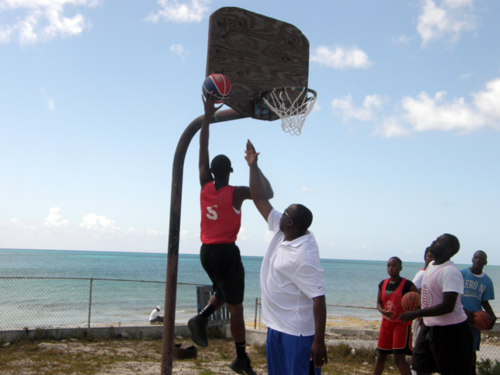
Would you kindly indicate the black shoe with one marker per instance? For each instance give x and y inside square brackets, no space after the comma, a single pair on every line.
[242,366]
[197,327]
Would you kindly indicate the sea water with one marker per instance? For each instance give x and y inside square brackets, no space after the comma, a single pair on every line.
[348,282]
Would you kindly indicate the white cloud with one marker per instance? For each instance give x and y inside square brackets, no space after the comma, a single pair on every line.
[55,218]
[50,101]
[402,40]
[174,11]
[93,233]
[428,113]
[488,102]
[179,50]
[96,222]
[341,58]
[308,190]
[425,113]
[43,20]
[448,20]
[371,103]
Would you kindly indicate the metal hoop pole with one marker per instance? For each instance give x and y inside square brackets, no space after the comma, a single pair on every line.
[174,229]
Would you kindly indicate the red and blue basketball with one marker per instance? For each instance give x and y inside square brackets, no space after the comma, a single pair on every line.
[217,84]
[482,320]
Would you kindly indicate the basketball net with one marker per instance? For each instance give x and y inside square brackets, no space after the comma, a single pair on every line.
[292,105]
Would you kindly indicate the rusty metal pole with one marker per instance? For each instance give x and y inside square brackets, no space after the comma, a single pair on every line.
[174,229]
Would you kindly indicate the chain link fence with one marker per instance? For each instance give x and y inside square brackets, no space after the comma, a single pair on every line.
[358,327]
[41,303]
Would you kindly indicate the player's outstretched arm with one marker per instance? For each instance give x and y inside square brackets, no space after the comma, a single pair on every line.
[318,348]
[204,162]
[260,188]
[445,307]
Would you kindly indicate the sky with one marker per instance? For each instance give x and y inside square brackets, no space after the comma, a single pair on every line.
[401,146]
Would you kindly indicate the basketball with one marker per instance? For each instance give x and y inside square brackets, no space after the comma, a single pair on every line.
[410,301]
[217,84]
[482,320]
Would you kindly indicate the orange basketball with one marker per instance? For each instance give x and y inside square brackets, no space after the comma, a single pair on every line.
[482,320]
[410,301]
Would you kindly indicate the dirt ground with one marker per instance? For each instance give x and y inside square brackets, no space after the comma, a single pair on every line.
[143,357]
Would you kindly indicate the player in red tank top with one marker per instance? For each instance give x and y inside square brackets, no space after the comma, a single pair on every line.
[395,336]
[220,206]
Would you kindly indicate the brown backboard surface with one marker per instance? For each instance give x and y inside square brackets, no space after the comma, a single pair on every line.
[256,53]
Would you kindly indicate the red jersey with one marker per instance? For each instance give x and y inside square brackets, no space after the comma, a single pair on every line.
[393,301]
[220,223]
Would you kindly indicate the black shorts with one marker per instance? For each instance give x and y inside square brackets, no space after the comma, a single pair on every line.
[222,262]
[444,349]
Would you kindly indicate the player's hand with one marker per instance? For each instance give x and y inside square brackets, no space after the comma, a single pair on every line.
[388,313]
[493,320]
[408,316]
[250,154]
[319,353]
[209,104]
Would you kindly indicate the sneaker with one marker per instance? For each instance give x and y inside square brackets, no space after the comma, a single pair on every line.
[242,366]
[197,327]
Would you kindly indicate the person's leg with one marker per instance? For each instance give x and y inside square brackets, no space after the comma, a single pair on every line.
[237,322]
[476,340]
[422,360]
[380,363]
[452,349]
[275,354]
[400,361]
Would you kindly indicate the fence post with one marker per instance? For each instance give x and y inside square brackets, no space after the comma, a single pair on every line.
[255,317]
[90,307]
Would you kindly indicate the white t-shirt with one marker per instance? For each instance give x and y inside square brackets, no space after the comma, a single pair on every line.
[439,279]
[291,276]
[417,280]
[154,315]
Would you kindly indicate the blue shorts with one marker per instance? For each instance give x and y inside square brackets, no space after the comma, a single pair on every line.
[288,354]
[476,337]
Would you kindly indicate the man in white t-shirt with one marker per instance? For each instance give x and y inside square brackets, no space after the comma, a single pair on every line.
[155,316]
[292,285]
[444,343]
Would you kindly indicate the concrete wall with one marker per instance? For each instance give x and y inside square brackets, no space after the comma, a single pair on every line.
[154,331]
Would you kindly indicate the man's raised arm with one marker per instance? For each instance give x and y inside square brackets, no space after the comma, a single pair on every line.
[260,188]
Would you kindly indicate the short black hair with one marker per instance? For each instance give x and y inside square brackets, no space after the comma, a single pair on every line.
[398,260]
[221,166]
[453,242]
[302,217]
[481,251]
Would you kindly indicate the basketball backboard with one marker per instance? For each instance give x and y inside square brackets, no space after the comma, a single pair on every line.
[256,53]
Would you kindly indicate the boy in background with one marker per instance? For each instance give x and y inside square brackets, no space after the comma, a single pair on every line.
[478,290]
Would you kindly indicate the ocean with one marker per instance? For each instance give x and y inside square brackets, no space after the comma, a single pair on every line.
[348,282]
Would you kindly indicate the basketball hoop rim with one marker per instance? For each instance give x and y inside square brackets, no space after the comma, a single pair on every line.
[289,88]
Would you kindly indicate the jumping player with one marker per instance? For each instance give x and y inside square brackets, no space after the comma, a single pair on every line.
[220,257]
[478,290]
[444,343]
[394,337]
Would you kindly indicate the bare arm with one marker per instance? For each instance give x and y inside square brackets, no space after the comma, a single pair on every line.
[204,163]
[489,310]
[380,307]
[260,188]
[445,307]
[318,348]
